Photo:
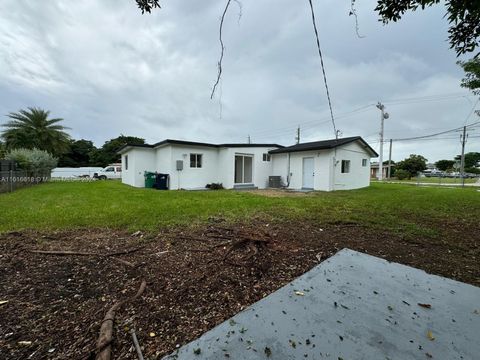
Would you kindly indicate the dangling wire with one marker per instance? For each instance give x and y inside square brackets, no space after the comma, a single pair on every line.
[323,70]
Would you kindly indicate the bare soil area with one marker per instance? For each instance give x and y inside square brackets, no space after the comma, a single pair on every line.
[52,306]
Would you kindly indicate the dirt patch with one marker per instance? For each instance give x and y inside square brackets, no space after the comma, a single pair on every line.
[280,193]
[195,279]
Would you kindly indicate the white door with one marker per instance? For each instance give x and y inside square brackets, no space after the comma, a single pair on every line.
[308,173]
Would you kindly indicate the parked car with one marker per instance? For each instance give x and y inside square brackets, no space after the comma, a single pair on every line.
[112,171]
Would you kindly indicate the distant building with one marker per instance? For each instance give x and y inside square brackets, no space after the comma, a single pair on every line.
[374,170]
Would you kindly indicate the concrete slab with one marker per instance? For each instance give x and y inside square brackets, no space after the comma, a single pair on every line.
[352,306]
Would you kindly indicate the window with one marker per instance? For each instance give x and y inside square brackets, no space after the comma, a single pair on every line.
[364,162]
[195,160]
[345,166]
[126,162]
[110,169]
[266,157]
[118,169]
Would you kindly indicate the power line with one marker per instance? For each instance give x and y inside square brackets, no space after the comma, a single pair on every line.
[323,69]
[436,134]
[438,97]
[314,123]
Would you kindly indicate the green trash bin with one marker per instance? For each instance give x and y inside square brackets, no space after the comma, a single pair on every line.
[149,179]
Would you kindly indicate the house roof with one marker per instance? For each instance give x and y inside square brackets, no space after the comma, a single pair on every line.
[324,145]
[191,143]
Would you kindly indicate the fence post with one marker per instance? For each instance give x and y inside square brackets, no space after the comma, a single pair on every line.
[10,180]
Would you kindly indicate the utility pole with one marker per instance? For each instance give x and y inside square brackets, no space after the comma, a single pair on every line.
[297,138]
[463,140]
[390,161]
[384,115]
[249,139]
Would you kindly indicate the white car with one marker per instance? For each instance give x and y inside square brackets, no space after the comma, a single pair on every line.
[112,171]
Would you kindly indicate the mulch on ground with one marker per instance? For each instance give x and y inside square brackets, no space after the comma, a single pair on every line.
[195,279]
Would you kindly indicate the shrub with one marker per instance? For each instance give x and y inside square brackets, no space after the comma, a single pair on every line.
[215,186]
[32,159]
[402,174]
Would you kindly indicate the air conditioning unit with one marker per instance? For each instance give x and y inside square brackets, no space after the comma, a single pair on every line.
[275,182]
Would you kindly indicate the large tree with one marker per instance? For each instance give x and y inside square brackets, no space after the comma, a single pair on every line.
[472,74]
[472,159]
[78,155]
[107,154]
[413,164]
[445,165]
[32,128]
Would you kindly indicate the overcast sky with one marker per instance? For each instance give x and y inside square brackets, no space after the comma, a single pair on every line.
[108,70]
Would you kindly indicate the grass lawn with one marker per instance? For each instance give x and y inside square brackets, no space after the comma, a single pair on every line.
[436,180]
[199,276]
[110,204]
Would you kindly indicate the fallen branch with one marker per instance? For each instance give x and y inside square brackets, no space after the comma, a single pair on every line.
[105,338]
[137,345]
[250,243]
[83,253]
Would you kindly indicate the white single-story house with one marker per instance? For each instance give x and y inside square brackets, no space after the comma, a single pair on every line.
[337,164]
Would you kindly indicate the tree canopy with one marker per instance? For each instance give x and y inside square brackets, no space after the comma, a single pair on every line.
[32,129]
[471,159]
[444,165]
[78,155]
[107,154]
[413,164]
[472,74]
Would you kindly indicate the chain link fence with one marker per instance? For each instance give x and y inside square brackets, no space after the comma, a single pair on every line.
[11,180]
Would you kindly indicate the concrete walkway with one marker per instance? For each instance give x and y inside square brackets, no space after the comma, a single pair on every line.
[352,306]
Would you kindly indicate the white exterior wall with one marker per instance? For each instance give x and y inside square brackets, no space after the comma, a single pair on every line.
[280,166]
[139,161]
[327,168]
[359,176]
[218,165]
[322,169]
[193,178]
[261,170]
[163,160]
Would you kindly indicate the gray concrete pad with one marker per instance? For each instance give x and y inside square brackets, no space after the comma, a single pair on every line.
[352,306]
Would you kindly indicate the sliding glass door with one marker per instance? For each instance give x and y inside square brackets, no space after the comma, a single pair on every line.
[243,169]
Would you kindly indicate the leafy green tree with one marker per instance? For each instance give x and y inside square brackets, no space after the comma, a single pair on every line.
[444,165]
[78,155]
[413,164]
[472,159]
[107,154]
[32,128]
[472,74]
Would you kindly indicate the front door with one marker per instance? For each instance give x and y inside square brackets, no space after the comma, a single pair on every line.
[308,173]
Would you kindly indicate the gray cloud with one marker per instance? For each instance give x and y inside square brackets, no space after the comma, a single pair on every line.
[107,70]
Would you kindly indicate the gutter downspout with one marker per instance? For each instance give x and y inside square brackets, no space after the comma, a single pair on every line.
[334,166]
[288,173]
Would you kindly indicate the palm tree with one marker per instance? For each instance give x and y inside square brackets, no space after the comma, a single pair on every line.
[33,129]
